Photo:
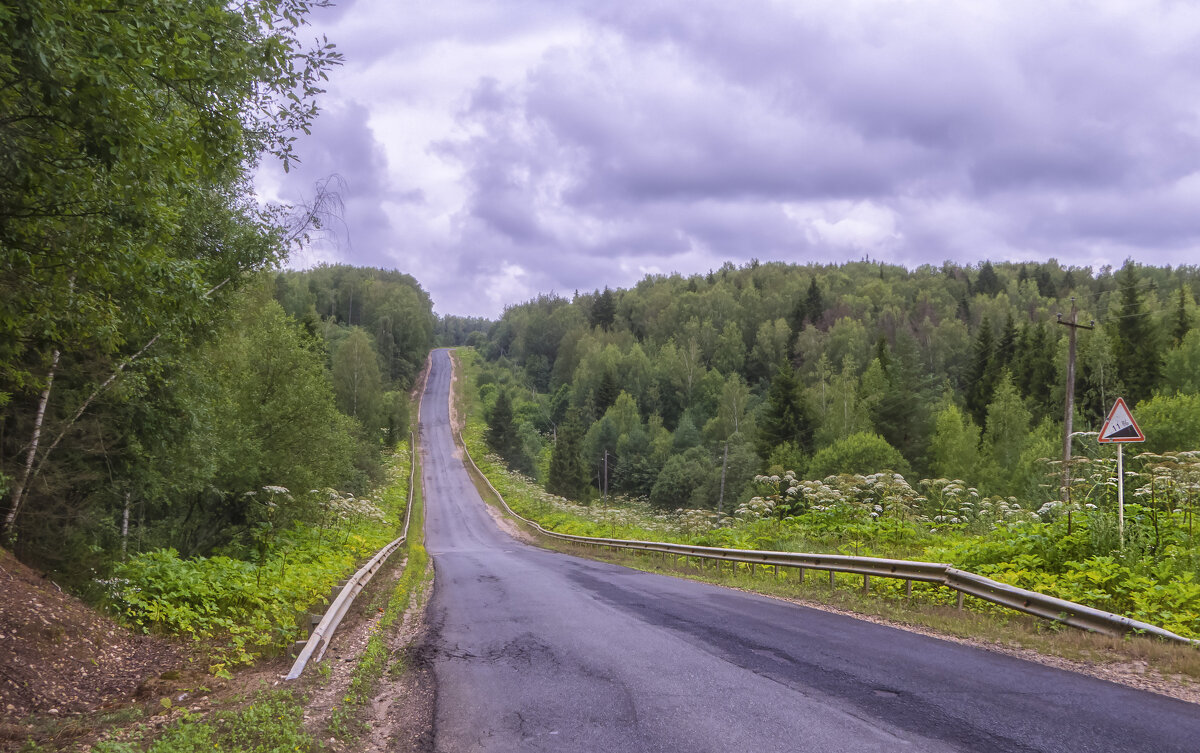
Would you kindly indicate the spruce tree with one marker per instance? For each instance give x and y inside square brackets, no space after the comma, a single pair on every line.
[981,374]
[1068,282]
[964,309]
[606,393]
[1183,322]
[987,283]
[799,313]
[568,476]
[1006,348]
[1135,346]
[785,417]
[502,432]
[1033,367]
[814,303]
[1045,283]
[604,310]
[897,404]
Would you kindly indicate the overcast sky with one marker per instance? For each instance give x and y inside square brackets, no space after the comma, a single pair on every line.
[497,150]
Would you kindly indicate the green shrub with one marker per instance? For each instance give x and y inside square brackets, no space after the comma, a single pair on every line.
[241,608]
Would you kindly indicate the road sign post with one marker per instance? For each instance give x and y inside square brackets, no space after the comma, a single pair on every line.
[1118,429]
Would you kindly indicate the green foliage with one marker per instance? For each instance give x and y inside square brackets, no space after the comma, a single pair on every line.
[503,434]
[954,448]
[784,417]
[262,414]
[1182,321]
[127,217]
[388,306]
[240,608]
[865,452]
[452,331]
[357,383]
[1136,339]
[981,379]
[1181,366]
[680,478]
[604,310]
[738,352]
[272,723]
[1170,423]
[568,475]
[1007,432]
[126,157]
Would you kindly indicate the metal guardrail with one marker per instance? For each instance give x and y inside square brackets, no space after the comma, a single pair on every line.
[318,641]
[1002,594]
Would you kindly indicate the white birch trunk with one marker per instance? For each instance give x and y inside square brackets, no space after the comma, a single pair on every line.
[18,494]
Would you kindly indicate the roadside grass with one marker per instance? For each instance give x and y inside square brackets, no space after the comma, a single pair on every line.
[347,721]
[58,730]
[239,611]
[931,608]
[272,722]
[269,721]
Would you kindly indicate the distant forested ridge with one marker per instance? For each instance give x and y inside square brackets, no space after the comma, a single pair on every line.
[947,371]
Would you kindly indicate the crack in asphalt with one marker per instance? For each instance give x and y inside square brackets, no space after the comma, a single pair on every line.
[901,709]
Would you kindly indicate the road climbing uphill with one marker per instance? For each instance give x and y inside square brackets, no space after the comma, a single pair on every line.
[536,650]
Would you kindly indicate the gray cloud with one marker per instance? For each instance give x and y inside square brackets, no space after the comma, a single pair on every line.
[543,146]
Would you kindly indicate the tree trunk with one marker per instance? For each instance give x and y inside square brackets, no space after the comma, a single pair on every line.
[125,526]
[26,472]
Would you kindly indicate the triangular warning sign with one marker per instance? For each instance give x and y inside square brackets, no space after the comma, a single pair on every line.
[1120,426]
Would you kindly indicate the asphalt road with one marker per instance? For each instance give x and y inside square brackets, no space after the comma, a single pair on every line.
[534,650]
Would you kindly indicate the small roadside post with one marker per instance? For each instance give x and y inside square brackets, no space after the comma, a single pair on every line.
[1118,429]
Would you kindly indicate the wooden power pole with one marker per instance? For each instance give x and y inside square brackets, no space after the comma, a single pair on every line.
[1068,417]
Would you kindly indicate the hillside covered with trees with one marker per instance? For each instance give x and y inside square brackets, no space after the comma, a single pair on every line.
[159,382]
[682,389]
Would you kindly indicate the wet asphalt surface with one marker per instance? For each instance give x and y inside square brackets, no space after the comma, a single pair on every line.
[534,650]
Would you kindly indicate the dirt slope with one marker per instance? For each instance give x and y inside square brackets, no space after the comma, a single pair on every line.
[60,656]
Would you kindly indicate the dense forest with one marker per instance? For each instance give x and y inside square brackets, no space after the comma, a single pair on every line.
[159,383]
[273,394]
[682,389]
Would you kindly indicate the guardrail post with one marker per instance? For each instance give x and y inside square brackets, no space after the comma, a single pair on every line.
[777,572]
[908,588]
[960,599]
[831,586]
[801,574]
[866,583]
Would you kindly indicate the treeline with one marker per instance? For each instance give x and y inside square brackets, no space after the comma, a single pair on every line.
[377,326]
[452,331]
[681,389]
[151,385]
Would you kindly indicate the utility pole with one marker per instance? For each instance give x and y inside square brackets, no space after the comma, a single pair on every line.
[724,463]
[1068,417]
[604,489]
